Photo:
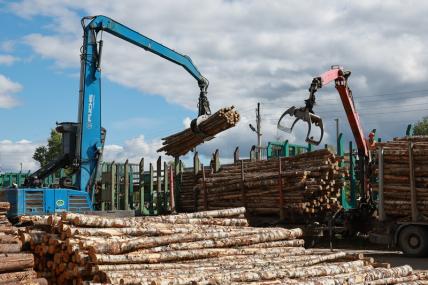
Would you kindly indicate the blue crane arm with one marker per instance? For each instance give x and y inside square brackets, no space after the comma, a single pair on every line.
[106,24]
[89,139]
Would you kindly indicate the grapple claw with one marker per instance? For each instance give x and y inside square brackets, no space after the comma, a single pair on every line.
[306,116]
[291,111]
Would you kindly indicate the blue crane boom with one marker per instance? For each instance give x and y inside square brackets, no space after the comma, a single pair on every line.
[90,89]
[83,141]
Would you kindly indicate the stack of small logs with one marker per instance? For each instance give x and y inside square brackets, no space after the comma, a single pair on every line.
[397,189]
[306,189]
[188,180]
[213,247]
[16,267]
[182,142]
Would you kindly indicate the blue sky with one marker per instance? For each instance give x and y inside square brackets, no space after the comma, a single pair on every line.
[251,51]
[50,94]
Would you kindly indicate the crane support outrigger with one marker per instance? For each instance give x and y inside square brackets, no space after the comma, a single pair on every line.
[83,141]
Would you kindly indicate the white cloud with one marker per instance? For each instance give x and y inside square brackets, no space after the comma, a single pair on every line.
[133,149]
[7,46]
[186,122]
[12,154]
[252,51]
[7,88]
[7,59]
[53,46]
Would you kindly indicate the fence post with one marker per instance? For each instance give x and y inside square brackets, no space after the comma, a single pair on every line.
[196,163]
[159,185]
[286,149]
[177,183]
[236,155]
[171,190]
[113,185]
[216,161]
[165,187]
[126,184]
[253,155]
[152,193]
[143,209]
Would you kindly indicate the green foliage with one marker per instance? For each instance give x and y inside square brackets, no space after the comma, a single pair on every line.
[40,155]
[48,153]
[421,127]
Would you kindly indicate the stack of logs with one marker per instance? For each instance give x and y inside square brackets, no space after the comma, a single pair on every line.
[397,186]
[306,188]
[182,142]
[16,267]
[214,247]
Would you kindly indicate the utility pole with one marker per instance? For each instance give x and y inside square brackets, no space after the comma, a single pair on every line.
[258,131]
[337,129]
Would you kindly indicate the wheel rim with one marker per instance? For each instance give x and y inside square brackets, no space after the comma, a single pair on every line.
[414,241]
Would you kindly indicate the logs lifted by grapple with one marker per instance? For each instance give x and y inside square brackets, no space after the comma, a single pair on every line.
[396,175]
[299,189]
[182,142]
[157,250]
[16,267]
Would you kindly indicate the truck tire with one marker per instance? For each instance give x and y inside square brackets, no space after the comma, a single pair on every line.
[413,240]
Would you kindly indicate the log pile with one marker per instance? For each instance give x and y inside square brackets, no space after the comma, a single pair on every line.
[16,267]
[397,189]
[304,188]
[182,142]
[214,247]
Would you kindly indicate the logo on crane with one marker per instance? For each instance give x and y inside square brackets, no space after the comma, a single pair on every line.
[91,101]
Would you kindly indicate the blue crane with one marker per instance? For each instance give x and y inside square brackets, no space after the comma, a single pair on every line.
[83,141]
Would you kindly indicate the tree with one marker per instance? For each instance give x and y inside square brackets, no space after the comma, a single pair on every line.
[48,153]
[421,127]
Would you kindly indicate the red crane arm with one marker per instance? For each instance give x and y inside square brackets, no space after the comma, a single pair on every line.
[340,77]
[353,118]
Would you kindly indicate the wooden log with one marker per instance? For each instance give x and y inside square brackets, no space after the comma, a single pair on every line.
[217,239]
[16,261]
[17,276]
[188,255]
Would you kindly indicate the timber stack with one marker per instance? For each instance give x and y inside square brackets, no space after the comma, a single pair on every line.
[300,189]
[397,173]
[182,142]
[212,247]
[16,267]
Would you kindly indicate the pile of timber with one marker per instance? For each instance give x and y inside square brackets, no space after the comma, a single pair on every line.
[213,247]
[397,173]
[16,267]
[182,142]
[188,180]
[300,189]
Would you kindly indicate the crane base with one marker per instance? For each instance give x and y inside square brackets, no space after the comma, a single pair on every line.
[45,201]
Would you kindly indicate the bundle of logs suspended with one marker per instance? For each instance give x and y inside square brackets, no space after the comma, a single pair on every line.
[212,247]
[299,189]
[16,267]
[182,142]
[404,158]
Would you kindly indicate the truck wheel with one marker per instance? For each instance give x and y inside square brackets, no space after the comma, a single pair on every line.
[413,240]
